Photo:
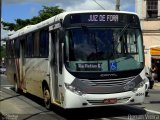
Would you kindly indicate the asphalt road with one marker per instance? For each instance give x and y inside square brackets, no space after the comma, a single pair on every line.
[15,106]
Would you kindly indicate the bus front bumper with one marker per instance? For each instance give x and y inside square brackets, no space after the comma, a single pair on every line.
[73,100]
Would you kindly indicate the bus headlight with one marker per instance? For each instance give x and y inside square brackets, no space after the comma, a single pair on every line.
[74,89]
[141,84]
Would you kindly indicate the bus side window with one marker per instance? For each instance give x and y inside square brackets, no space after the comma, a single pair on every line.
[29,45]
[36,44]
[24,44]
[16,48]
[43,43]
[11,49]
[54,37]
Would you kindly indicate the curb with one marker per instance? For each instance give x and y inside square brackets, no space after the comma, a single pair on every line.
[157,84]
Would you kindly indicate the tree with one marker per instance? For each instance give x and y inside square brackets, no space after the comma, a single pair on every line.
[3,49]
[44,14]
[3,52]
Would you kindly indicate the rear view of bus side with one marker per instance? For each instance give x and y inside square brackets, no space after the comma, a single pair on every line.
[80,59]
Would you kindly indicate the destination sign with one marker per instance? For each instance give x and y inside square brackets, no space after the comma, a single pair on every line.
[98,18]
[103,18]
[89,66]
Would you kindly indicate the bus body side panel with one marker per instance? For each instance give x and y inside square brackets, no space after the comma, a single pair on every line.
[36,70]
[10,70]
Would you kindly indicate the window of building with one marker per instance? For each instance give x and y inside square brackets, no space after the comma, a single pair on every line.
[152,8]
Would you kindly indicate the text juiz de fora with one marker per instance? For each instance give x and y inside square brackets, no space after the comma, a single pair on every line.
[103,18]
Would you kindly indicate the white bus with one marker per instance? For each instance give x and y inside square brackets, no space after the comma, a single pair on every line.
[80,59]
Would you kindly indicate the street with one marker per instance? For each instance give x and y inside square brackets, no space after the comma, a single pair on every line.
[15,106]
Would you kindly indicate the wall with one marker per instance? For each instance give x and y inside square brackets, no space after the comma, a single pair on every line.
[150,29]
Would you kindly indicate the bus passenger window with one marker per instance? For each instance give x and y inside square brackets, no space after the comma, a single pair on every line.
[16,48]
[36,44]
[29,45]
[43,43]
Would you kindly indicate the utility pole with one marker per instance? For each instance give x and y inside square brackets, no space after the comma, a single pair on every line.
[118,5]
[0,28]
[0,18]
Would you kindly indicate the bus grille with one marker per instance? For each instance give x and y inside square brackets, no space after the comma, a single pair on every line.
[108,82]
[101,102]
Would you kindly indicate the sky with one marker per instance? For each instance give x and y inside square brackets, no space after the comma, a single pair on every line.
[26,9]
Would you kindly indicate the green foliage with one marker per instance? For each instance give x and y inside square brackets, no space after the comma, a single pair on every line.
[2,52]
[8,26]
[44,14]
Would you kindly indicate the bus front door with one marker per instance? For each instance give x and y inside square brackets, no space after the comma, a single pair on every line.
[54,65]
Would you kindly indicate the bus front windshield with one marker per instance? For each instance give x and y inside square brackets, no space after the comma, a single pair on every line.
[103,49]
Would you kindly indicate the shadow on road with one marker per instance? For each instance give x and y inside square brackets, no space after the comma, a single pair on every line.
[103,112]
[154,102]
[92,113]
[83,113]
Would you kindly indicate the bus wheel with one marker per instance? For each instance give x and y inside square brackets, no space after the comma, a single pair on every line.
[47,97]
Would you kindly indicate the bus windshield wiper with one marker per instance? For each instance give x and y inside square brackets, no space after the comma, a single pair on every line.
[122,31]
[118,36]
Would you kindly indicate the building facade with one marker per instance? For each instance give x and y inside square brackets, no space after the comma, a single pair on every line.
[149,13]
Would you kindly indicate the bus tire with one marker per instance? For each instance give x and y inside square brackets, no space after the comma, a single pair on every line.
[47,97]
[146,94]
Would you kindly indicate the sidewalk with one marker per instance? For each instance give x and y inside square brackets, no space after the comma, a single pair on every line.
[156,85]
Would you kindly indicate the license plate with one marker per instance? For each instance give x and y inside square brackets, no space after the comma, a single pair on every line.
[110,101]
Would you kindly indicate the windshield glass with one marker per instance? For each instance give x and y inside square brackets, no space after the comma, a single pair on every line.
[103,49]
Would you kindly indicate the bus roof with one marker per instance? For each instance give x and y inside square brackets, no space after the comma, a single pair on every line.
[30,28]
